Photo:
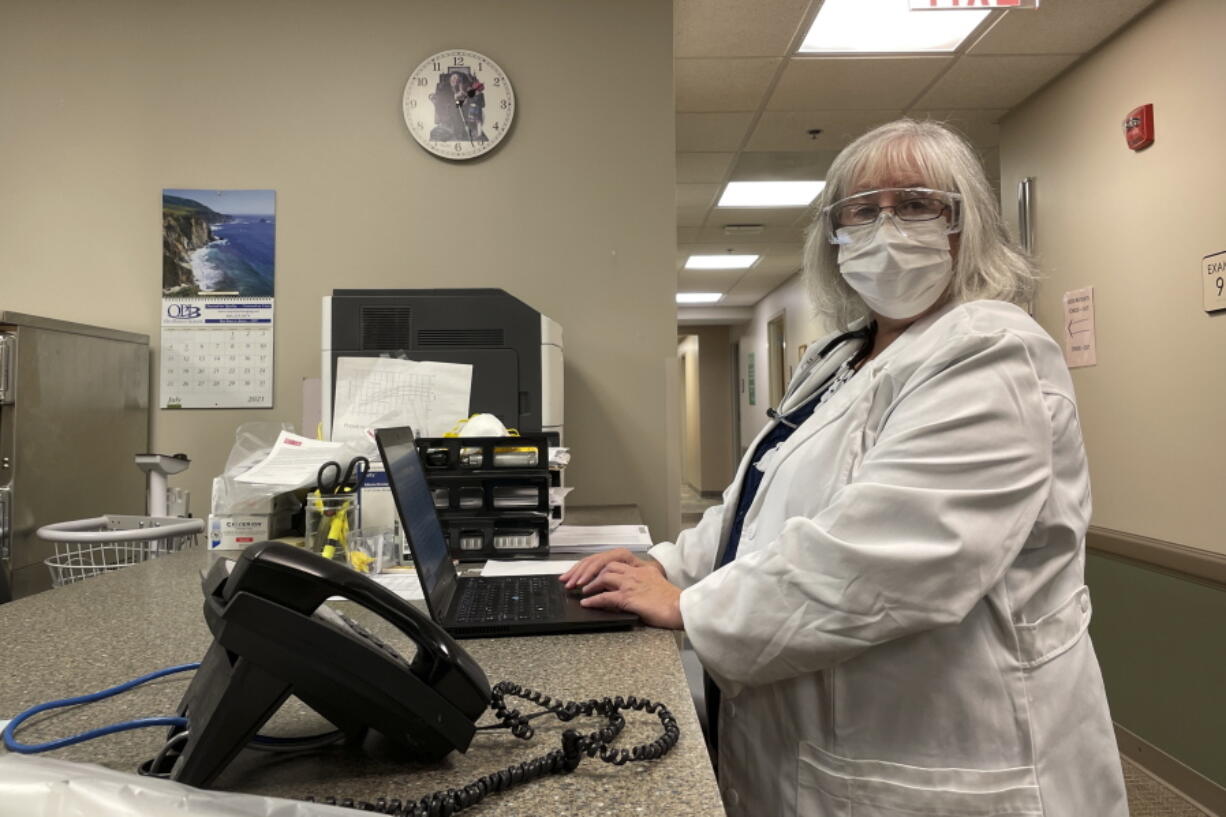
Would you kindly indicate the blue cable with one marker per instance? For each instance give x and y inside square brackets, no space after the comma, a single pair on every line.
[10,742]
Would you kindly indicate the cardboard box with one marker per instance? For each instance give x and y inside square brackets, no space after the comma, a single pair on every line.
[237,531]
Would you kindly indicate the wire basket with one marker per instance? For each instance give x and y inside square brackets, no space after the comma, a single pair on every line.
[88,547]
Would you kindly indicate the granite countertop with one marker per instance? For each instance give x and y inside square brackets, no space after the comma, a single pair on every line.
[121,625]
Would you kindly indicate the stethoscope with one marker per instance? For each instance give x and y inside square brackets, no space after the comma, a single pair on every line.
[855,334]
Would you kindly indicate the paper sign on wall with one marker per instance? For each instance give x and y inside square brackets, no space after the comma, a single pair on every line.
[1080,348]
[1213,279]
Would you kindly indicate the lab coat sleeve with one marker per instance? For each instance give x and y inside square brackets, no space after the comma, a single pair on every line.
[692,556]
[940,505]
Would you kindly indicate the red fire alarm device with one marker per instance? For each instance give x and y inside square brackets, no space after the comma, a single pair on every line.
[1139,127]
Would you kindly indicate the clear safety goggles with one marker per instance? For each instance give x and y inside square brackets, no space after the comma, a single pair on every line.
[907,204]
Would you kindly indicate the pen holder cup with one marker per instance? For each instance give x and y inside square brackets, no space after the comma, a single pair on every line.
[329,521]
[374,550]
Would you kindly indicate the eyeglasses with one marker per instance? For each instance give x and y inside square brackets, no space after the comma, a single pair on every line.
[910,204]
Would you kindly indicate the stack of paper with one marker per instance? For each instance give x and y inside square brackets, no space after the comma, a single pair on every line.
[527,567]
[585,539]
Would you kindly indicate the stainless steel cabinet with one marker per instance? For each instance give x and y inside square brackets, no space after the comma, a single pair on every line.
[74,408]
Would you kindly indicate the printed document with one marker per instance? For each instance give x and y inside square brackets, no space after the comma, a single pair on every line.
[294,461]
[384,392]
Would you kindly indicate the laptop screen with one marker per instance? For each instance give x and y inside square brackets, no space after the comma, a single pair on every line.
[418,517]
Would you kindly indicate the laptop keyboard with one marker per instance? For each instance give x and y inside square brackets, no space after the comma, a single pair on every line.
[509,599]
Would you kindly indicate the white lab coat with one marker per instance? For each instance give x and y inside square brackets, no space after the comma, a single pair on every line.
[903,630]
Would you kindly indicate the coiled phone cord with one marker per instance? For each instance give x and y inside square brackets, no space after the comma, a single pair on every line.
[559,761]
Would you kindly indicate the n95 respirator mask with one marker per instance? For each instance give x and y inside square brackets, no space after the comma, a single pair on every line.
[898,268]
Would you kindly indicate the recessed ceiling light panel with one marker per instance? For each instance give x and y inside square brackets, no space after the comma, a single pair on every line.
[887,26]
[770,194]
[699,297]
[720,261]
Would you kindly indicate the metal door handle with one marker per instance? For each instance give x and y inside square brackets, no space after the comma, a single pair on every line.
[5,526]
[8,362]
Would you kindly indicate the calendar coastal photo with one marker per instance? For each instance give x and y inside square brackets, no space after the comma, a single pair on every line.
[218,274]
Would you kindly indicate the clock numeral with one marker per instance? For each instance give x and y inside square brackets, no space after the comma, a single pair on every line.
[457,61]
[497,81]
[436,66]
[502,103]
[422,82]
[480,66]
[497,125]
[412,103]
[458,147]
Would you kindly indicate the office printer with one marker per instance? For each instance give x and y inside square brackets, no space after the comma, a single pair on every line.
[515,351]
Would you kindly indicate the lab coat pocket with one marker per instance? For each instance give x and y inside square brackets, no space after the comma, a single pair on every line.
[1054,633]
[832,786]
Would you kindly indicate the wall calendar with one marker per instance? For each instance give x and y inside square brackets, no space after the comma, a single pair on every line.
[218,282]
[217,352]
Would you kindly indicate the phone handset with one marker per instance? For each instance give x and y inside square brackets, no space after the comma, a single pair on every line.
[273,637]
[302,581]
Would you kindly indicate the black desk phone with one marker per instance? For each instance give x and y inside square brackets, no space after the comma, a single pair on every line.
[273,637]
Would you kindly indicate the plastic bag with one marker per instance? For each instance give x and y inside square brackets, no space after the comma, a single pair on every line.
[252,442]
[33,786]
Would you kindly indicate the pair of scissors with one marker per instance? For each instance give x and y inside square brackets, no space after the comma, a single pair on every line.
[334,530]
[330,480]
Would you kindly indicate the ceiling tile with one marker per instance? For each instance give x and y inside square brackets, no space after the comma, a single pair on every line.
[708,280]
[696,168]
[753,288]
[770,216]
[696,195]
[855,83]
[691,216]
[711,131]
[722,84]
[782,166]
[725,247]
[1058,27]
[993,82]
[780,234]
[734,28]
[788,130]
[979,126]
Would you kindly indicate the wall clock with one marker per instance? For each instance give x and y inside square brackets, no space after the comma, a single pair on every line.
[458,104]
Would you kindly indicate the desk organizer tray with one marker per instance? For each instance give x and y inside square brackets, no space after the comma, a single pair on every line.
[490,495]
[477,538]
[469,455]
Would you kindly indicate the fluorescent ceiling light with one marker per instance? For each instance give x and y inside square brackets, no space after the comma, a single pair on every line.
[874,26]
[698,297]
[770,194]
[720,261]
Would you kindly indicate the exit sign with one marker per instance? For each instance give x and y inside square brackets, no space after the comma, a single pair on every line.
[925,5]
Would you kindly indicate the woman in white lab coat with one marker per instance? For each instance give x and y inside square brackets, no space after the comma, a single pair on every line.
[890,601]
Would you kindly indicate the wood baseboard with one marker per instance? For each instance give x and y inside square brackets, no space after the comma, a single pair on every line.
[1190,563]
[1205,794]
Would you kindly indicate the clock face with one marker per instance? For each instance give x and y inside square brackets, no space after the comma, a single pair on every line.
[458,104]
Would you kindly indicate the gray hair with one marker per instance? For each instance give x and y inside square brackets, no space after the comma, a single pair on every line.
[989,265]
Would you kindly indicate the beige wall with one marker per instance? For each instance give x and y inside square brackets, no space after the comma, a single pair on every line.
[705,360]
[802,328]
[691,413]
[105,104]
[716,394]
[1135,226]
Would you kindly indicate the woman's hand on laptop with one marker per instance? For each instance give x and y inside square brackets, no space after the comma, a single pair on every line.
[586,570]
[637,588]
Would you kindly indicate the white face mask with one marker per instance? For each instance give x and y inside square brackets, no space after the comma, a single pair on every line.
[898,268]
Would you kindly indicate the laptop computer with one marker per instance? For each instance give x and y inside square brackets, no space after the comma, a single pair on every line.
[476,607]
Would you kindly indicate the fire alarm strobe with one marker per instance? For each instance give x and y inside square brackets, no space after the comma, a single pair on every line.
[1139,127]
